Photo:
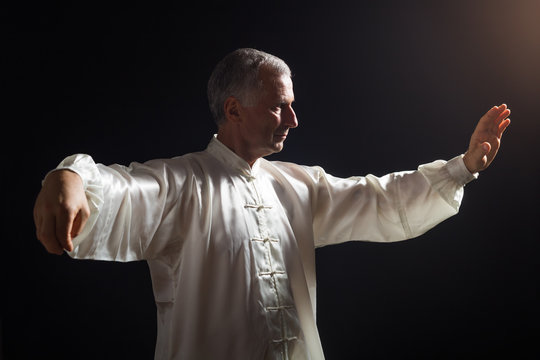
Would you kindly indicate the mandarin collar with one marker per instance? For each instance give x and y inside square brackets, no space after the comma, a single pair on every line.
[229,158]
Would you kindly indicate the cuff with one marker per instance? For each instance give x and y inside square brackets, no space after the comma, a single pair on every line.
[81,164]
[459,172]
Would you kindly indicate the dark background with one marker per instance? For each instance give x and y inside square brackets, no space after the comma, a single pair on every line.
[380,86]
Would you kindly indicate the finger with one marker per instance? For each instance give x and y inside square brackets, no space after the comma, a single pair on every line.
[79,222]
[497,111]
[503,115]
[494,111]
[46,233]
[64,223]
[490,116]
[492,119]
[502,127]
[494,126]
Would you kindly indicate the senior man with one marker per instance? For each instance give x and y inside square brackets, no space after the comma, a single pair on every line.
[230,237]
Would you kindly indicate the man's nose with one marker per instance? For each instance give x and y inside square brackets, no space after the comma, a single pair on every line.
[290,118]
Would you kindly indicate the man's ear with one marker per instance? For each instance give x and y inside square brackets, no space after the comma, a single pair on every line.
[232,108]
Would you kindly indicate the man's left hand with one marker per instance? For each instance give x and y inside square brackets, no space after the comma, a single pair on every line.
[486,138]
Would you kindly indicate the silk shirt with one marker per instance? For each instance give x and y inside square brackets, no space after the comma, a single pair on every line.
[231,248]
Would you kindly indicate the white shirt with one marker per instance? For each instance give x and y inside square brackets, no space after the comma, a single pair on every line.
[231,248]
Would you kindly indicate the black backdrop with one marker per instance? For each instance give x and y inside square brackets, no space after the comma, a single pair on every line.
[380,86]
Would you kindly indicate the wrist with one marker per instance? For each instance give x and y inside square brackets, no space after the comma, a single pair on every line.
[469,163]
[459,170]
[62,176]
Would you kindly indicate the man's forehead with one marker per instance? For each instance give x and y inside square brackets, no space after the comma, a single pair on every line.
[277,84]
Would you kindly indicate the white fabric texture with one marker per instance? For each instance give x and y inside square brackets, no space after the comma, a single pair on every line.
[231,248]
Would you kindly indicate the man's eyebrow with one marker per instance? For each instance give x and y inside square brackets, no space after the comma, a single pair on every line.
[284,100]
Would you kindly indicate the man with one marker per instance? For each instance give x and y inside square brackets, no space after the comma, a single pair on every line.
[229,236]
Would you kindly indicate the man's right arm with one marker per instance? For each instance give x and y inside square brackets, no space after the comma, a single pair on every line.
[61,210]
[115,212]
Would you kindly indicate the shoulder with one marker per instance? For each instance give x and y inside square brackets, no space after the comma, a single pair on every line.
[296,171]
[177,166]
[178,162]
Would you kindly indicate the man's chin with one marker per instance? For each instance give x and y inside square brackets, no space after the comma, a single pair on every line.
[273,149]
[278,147]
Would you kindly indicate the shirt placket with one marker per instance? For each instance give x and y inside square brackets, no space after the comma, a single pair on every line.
[279,308]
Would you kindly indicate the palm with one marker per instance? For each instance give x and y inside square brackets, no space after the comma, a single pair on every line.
[486,138]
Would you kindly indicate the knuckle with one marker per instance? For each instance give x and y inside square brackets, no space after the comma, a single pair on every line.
[85,212]
[67,209]
[46,207]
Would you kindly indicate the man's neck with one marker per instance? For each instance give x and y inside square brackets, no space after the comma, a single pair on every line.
[234,142]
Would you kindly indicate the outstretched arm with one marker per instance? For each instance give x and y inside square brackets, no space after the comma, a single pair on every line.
[116,213]
[486,138]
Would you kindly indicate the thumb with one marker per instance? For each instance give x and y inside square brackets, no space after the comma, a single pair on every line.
[64,224]
[476,157]
[481,152]
[486,148]
[79,222]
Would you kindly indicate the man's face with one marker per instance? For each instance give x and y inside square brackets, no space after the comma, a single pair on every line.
[266,124]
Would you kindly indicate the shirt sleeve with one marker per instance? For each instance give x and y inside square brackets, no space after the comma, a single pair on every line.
[132,209]
[394,207]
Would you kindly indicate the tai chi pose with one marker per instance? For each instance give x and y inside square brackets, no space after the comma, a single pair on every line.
[230,237]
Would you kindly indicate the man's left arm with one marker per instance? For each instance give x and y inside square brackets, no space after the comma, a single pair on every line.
[404,205]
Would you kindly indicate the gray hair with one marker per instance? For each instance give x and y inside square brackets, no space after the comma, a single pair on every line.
[238,75]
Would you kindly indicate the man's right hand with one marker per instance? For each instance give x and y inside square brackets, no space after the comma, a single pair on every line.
[60,211]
